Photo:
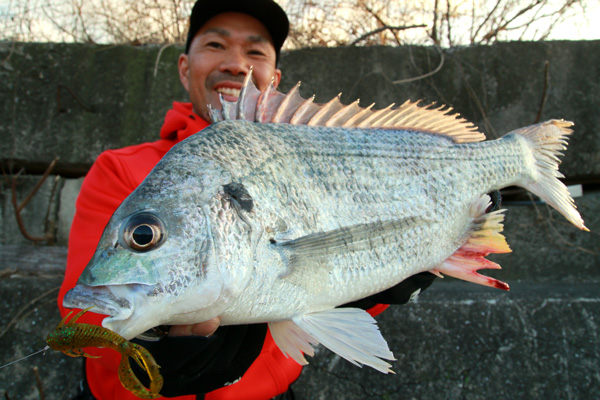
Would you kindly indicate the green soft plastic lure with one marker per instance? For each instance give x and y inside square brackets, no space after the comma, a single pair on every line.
[70,337]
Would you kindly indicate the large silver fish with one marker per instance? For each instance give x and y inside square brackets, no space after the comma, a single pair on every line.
[275,222]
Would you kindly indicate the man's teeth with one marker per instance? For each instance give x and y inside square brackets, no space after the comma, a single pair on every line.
[229,91]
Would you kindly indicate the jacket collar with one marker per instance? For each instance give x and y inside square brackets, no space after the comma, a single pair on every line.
[181,122]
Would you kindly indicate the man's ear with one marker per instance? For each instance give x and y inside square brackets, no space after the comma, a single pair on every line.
[184,71]
[277,78]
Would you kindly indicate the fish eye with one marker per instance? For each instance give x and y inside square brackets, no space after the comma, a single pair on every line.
[143,232]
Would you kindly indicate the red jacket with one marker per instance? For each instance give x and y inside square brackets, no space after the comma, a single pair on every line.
[114,175]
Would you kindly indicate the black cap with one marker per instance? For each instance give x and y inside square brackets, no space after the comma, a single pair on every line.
[269,13]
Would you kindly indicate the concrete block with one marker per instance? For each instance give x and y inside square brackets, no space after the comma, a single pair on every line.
[66,212]
[76,100]
[32,260]
[39,216]
[28,314]
[55,108]
[548,248]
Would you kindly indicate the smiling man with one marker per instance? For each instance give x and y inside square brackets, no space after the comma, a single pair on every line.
[220,55]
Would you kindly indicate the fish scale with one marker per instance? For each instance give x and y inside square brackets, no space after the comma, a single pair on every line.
[282,223]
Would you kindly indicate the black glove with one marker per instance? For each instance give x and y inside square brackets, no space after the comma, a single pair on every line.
[197,364]
[496,201]
[399,294]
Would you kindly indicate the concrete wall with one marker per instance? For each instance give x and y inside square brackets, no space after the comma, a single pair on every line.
[457,341]
[74,101]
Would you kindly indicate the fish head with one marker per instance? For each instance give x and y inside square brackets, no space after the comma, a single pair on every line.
[159,260]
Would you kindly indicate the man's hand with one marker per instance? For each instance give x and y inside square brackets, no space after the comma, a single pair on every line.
[200,358]
[206,328]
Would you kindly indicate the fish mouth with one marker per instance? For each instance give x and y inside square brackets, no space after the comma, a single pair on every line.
[118,302]
[105,300]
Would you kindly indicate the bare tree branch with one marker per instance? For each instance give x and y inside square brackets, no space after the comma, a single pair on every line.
[428,74]
[434,32]
[314,22]
[384,28]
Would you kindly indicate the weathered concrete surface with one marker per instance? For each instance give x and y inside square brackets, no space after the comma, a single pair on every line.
[73,101]
[40,215]
[546,248]
[28,313]
[458,341]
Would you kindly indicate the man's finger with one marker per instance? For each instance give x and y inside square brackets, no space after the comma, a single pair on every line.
[202,329]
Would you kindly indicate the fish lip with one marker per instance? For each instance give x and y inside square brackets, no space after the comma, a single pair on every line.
[101,298]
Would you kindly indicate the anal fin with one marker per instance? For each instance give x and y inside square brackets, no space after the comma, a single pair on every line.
[349,332]
[484,239]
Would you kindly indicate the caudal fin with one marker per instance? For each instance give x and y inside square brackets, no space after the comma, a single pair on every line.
[546,141]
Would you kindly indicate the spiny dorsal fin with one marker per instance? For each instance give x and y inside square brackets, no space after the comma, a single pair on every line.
[273,106]
[289,104]
[248,99]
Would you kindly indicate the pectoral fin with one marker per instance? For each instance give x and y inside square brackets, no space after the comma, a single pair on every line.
[308,257]
[349,332]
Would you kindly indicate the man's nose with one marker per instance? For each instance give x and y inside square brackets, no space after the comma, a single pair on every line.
[236,64]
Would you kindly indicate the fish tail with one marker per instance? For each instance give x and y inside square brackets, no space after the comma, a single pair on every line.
[546,141]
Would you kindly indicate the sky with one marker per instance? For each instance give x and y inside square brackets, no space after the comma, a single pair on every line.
[581,27]
[586,28]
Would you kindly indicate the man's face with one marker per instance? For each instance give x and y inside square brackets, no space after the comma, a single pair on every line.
[220,57]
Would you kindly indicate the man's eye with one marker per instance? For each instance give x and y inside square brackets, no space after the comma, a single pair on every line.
[215,45]
[256,53]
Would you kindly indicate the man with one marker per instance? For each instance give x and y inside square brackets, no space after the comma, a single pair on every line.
[226,38]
